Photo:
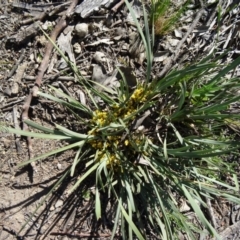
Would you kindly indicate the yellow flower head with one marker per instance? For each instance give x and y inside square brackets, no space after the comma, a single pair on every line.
[137,94]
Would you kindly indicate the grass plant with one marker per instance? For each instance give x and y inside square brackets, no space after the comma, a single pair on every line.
[150,146]
[164,15]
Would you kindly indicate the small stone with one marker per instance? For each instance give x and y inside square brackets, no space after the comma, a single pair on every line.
[81,30]
[140,128]
[184,207]
[174,42]
[59,166]
[47,25]
[99,57]
[177,33]
[15,88]
[98,73]
[125,46]
[31,57]
[77,48]
[52,208]
[59,203]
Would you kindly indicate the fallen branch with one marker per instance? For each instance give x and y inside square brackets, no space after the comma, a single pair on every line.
[40,17]
[42,69]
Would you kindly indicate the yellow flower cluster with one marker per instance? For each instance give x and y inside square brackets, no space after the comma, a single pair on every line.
[139,95]
[103,118]
[122,112]
[112,160]
[113,140]
[108,144]
[100,118]
[97,144]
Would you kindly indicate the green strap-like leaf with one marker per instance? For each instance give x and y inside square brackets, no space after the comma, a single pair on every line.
[199,212]
[37,135]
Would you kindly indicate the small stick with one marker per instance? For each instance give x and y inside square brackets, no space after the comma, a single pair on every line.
[12,103]
[177,51]
[211,213]
[16,126]
[82,234]
[51,78]
[58,8]
[64,89]
[40,17]
[118,5]
[17,64]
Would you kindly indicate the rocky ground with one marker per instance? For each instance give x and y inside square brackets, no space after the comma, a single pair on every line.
[98,40]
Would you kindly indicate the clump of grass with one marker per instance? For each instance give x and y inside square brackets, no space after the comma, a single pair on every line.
[164,15]
[108,144]
[149,146]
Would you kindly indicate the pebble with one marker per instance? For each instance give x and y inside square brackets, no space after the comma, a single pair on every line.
[59,166]
[59,203]
[81,30]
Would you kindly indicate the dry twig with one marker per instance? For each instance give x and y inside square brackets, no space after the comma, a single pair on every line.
[17,64]
[177,51]
[16,126]
[118,5]
[211,213]
[90,235]
[43,67]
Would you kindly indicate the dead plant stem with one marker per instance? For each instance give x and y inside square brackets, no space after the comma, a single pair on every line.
[42,69]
